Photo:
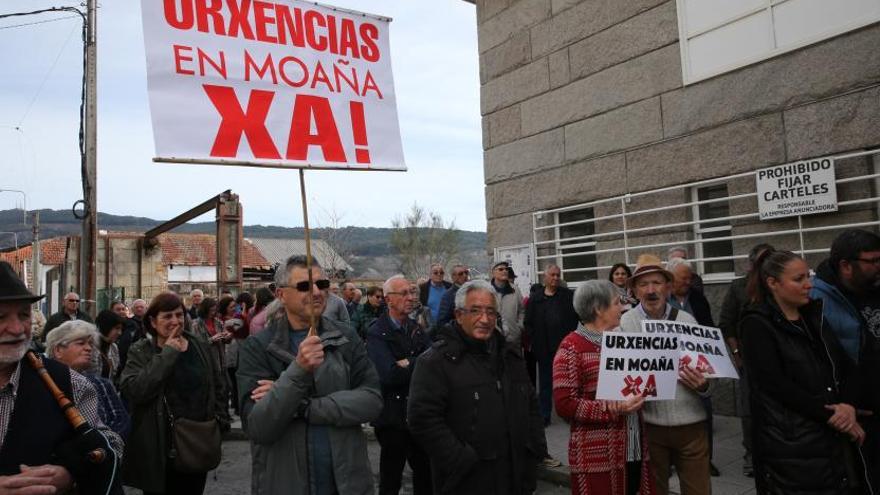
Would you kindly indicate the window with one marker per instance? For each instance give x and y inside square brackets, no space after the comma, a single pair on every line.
[576,252]
[705,229]
[718,36]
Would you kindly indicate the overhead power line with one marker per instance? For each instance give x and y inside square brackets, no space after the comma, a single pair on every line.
[24,24]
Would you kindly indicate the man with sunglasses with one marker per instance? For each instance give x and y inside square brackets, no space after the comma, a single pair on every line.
[70,311]
[305,394]
[847,282]
[472,406]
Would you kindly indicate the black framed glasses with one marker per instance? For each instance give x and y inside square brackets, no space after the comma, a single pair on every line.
[303,286]
[477,312]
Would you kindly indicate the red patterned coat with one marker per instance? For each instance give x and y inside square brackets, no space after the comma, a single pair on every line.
[597,448]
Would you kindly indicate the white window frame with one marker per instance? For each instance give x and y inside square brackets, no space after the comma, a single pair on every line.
[687,74]
[559,246]
[699,231]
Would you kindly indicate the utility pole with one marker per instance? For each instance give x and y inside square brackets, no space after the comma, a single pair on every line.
[35,251]
[89,244]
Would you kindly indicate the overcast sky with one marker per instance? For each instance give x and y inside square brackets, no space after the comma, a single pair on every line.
[434,56]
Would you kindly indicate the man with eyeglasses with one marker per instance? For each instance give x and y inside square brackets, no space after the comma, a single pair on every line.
[431,292]
[460,275]
[472,406]
[305,394]
[394,343]
[847,282]
[69,311]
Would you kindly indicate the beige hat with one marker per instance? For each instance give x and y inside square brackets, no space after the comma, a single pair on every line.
[649,263]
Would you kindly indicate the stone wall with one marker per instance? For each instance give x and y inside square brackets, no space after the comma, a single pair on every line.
[583,100]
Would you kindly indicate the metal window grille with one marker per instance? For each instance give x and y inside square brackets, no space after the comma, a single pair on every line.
[716,219]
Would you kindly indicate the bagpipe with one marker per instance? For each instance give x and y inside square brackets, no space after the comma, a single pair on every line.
[88,456]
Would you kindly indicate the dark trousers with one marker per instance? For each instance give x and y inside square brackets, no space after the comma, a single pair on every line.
[177,483]
[398,447]
[710,426]
[545,387]
[531,366]
[233,389]
[742,395]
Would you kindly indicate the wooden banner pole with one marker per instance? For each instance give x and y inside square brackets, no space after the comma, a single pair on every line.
[302,191]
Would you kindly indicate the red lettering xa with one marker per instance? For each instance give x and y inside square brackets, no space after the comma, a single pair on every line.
[235,122]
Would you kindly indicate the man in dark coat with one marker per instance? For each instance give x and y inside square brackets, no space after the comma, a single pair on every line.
[69,312]
[550,316]
[735,302]
[431,292]
[394,342]
[33,429]
[472,407]
[460,275]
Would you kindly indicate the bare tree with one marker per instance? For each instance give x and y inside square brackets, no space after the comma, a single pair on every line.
[422,237]
[338,239]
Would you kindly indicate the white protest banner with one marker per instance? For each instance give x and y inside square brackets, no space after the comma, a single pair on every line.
[700,347]
[637,364]
[281,83]
[799,188]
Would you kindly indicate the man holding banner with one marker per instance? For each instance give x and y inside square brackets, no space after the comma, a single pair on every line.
[676,429]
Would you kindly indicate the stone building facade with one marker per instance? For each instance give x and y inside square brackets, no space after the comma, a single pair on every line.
[586,103]
[615,128]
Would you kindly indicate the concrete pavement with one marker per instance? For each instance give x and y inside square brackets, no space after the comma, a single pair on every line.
[728,456]
[233,474]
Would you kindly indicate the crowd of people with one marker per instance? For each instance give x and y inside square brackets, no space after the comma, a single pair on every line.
[459,379]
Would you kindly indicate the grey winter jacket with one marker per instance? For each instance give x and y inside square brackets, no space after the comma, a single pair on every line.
[342,393]
[510,305]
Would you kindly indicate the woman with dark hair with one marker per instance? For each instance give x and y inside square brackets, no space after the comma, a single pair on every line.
[803,386]
[110,326]
[618,275]
[257,320]
[168,375]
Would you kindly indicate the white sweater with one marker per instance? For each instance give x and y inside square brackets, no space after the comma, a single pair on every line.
[687,408]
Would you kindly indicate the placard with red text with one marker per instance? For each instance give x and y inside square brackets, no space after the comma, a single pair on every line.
[702,348]
[637,364]
[279,83]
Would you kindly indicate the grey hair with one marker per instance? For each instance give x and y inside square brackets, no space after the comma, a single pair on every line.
[275,310]
[386,287]
[196,291]
[474,285]
[675,249]
[593,296]
[282,272]
[674,263]
[70,331]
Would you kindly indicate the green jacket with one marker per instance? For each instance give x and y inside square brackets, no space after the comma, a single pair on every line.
[142,383]
[343,393]
[365,315]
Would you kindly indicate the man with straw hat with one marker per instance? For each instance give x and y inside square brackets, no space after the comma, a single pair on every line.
[676,428]
[33,429]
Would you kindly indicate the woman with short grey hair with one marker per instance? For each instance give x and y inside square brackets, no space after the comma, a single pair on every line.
[607,445]
[75,343]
